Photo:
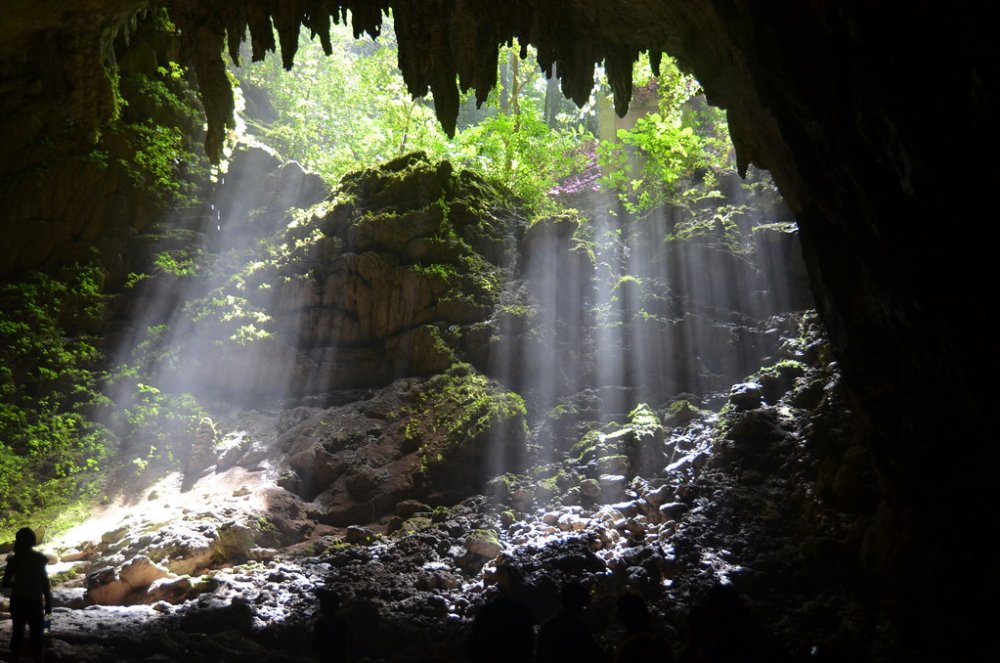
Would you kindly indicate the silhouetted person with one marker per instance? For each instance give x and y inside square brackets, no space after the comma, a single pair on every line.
[723,630]
[503,631]
[332,635]
[565,636]
[640,645]
[30,594]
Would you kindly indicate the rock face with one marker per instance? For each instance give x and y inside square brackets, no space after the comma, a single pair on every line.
[435,441]
[384,280]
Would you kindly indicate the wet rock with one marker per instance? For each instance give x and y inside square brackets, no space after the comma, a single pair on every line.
[746,396]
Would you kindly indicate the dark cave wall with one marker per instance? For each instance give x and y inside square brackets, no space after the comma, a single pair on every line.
[878,128]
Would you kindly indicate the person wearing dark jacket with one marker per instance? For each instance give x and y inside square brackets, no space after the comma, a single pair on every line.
[30,595]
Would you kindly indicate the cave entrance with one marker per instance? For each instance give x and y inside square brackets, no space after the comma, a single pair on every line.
[521,345]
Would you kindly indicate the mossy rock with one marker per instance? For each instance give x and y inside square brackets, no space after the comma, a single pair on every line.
[483,542]
[468,429]
[776,380]
[681,412]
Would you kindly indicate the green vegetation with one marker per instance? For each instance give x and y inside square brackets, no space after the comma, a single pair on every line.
[456,410]
[681,412]
[151,137]
[50,450]
[351,110]
[644,422]
[654,162]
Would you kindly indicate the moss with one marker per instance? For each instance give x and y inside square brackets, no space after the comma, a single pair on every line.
[415,524]
[681,411]
[71,573]
[562,410]
[644,421]
[460,412]
[484,536]
[588,446]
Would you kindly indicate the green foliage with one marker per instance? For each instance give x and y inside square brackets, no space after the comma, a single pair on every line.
[49,449]
[652,162]
[151,164]
[524,153]
[351,110]
[179,263]
[341,112]
[154,424]
[151,136]
[456,411]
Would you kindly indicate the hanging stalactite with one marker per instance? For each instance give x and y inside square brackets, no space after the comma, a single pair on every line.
[445,46]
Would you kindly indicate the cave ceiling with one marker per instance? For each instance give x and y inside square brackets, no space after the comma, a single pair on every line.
[445,46]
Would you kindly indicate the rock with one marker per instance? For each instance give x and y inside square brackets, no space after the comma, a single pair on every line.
[359,535]
[104,588]
[140,572]
[74,555]
[263,554]
[659,496]
[746,396]
[612,486]
[214,614]
[483,543]
[407,508]
[590,488]
[673,510]
[617,464]
[234,542]
[523,498]
[170,590]
[73,598]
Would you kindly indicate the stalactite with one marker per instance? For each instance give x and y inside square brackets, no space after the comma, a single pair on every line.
[287,17]
[445,46]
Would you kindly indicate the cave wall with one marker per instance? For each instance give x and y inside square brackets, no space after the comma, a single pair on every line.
[84,169]
[878,127]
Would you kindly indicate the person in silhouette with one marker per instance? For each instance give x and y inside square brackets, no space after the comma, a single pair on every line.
[723,630]
[30,594]
[332,635]
[565,636]
[503,632]
[639,644]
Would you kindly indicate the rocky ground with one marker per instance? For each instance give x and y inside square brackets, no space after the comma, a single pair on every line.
[761,488]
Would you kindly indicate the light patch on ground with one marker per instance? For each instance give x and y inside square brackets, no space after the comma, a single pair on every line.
[236,491]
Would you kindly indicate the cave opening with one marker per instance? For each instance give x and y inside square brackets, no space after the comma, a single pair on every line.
[370,356]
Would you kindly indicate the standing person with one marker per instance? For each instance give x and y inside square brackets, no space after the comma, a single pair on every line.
[565,636]
[640,644]
[30,594]
[332,636]
[502,631]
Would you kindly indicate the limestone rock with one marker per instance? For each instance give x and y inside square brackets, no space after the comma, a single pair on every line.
[141,572]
